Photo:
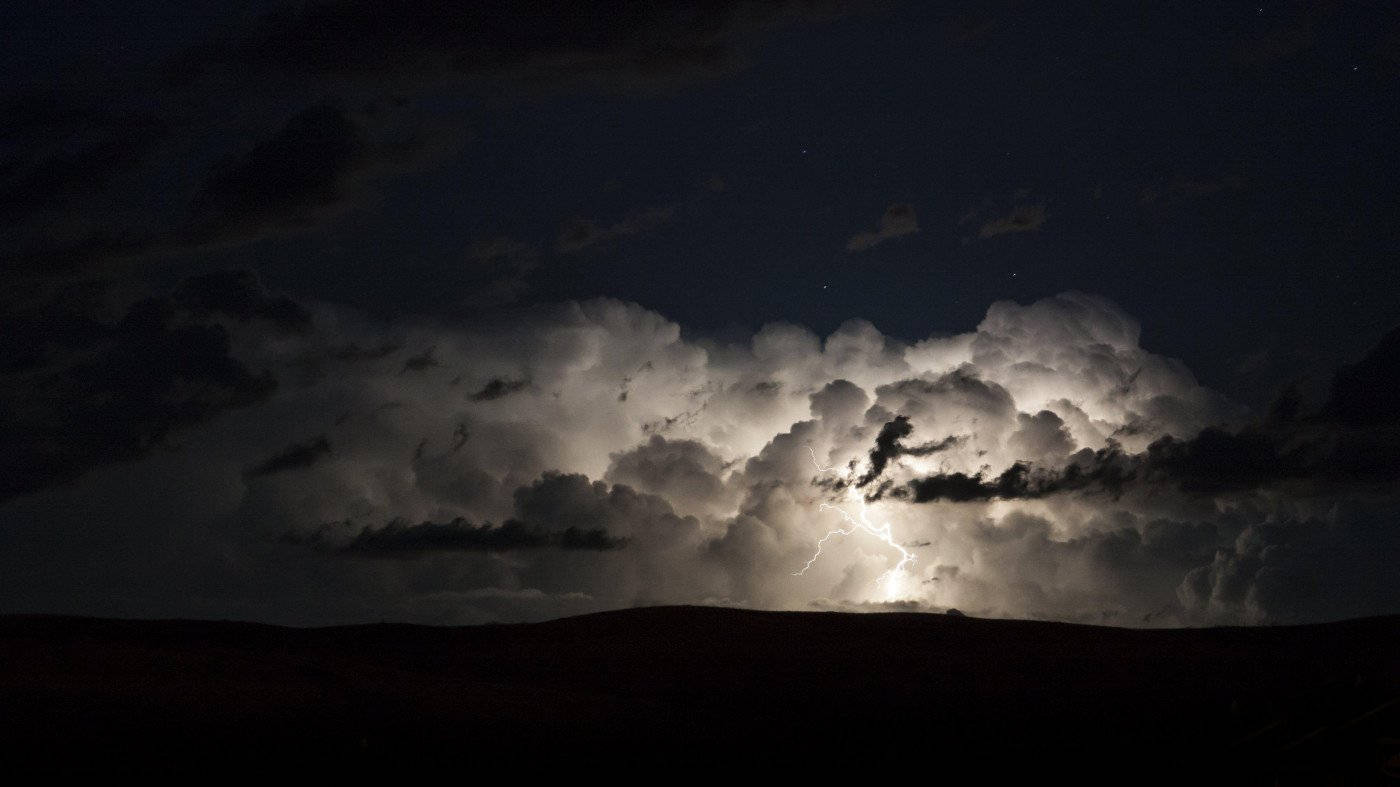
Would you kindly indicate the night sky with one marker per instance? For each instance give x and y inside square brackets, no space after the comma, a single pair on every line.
[349,311]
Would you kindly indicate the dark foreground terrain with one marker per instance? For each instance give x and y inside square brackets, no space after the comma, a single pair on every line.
[664,692]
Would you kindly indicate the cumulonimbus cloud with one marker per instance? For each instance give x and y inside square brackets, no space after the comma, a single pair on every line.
[1043,464]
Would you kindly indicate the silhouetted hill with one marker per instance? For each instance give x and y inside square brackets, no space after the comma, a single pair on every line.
[680,689]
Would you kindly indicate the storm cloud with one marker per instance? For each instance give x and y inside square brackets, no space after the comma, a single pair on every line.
[1042,465]
[398,538]
[79,393]
[292,457]
[319,106]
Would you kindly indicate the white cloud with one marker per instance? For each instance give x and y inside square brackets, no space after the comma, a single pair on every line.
[705,467]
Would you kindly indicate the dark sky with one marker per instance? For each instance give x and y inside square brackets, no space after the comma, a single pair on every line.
[206,207]
[1221,172]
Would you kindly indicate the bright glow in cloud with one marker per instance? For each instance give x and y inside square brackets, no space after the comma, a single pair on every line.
[645,468]
[891,581]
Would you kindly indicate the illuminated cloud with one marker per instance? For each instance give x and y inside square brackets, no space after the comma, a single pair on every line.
[1041,465]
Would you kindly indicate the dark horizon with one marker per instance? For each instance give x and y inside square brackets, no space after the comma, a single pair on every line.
[704,689]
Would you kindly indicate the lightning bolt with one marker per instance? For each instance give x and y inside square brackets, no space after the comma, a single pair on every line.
[861,521]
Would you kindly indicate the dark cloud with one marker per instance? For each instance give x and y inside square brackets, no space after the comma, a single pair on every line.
[239,294]
[607,45]
[499,387]
[1180,188]
[64,158]
[65,155]
[421,361]
[293,457]
[1218,461]
[296,176]
[1214,462]
[767,387]
[579,234]
[79,393]
[87,200]
[498,269]
[1291,568]
[1353,438]
[354,352]
[897,221]
[1368,392]
[1022,218]
[328,92]
[1018,210]
[400,539]
[888,446]
[1107,470]
[557,511]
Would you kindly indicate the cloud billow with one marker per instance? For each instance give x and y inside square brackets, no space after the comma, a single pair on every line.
[1043,464]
